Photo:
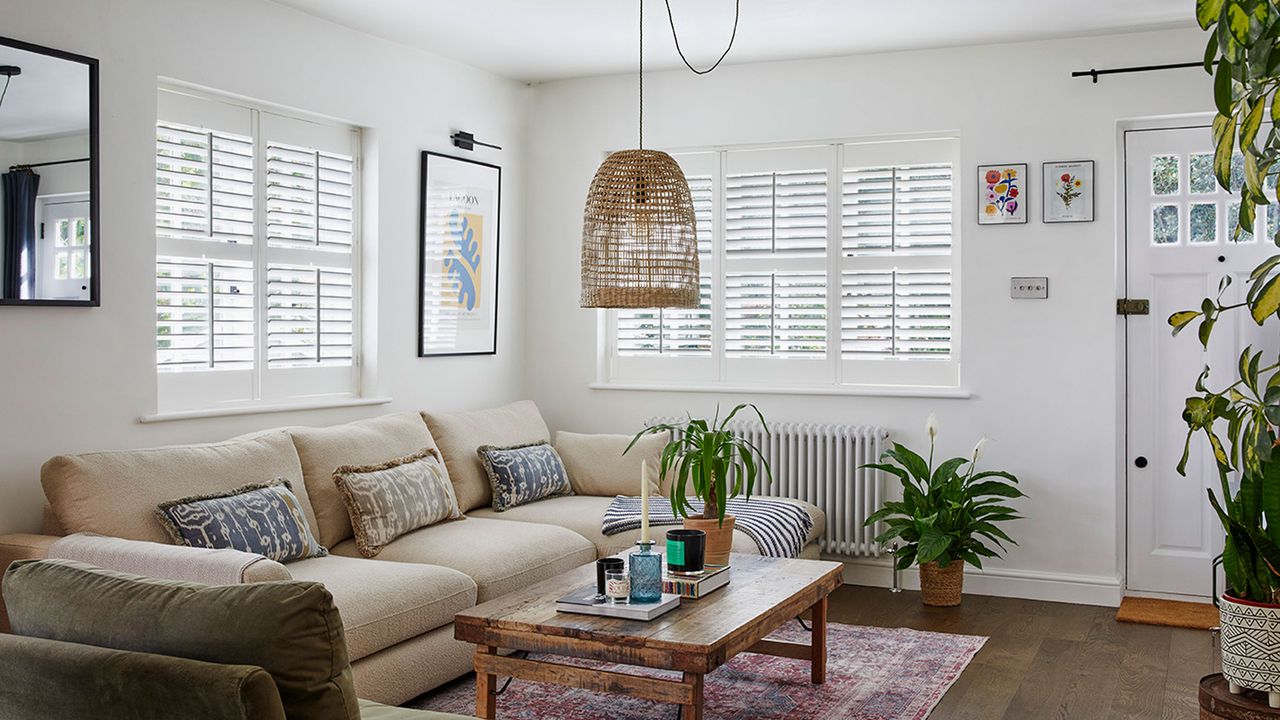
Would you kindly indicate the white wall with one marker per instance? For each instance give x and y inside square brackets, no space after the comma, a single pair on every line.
[1042,373]
[77,379]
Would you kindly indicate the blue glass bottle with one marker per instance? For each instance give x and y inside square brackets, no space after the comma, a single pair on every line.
[646,574]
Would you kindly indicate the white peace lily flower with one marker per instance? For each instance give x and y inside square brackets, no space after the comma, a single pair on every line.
[931,426]
[977,449]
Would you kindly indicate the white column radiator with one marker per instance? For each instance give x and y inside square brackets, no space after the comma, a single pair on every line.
[822,464]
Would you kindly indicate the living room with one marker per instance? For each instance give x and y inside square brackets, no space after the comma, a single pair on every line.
[349,246]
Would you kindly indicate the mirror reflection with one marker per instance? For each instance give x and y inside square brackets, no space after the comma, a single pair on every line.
[46,239]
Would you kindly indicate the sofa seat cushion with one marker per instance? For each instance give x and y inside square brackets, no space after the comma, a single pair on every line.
[116,493]
[500,556]
[460,434]
[364,442]
[584,514]
[384,603]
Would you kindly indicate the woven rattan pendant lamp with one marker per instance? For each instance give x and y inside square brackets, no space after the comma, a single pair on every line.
[639,232]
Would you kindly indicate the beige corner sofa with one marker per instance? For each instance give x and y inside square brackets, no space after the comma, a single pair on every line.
[398,608]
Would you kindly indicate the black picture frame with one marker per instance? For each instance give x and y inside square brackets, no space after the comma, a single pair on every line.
[424,180]
[1024,193]
[1044,189]
[95,204]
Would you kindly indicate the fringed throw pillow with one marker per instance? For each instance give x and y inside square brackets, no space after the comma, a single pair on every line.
[523,474]
[265,518]
[396,497]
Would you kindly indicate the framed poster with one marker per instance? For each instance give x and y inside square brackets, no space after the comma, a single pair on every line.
[1068,191]
[1002,194]
[459,219]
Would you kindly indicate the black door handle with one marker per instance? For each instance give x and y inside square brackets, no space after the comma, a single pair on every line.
[1141,462]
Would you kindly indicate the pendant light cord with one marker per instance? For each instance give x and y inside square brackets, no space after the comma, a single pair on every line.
[641,74]
[4,92]
[737,11]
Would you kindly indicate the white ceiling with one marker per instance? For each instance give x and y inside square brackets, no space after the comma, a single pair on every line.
[50,97]
[547,39]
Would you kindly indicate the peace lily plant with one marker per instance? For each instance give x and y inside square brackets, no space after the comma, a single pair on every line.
[947,515]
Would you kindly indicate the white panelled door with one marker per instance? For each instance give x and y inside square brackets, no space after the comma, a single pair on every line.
[1179,245]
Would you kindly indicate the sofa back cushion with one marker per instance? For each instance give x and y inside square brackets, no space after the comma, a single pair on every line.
[460,434]
[290,629]
[364,442]
[597,466]
[116,493]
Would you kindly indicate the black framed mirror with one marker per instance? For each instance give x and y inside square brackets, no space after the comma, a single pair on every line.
[49,232]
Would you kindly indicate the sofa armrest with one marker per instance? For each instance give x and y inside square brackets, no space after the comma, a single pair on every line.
[50,679]
[168,562]
[14,547]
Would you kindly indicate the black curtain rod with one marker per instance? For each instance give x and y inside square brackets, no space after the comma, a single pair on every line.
[28,166]
[1135,69]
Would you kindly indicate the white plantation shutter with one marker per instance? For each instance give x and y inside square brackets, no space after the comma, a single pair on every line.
[310,319]
[310,198]
[256,275]
[776,314]
[677,331]
[830,265]
[204,184]
[896,313]
[204,314]
[898,226]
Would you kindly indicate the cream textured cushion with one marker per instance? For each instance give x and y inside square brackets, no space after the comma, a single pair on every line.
[388,500]
[500,556]
[584,514]
[459,434]
[116,493]
[364,442]
[385,603]
[597,466]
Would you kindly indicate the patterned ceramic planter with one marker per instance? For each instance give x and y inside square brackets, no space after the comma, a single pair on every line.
[1251,647]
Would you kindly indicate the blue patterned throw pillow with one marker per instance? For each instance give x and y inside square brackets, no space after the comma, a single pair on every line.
[524,473]
[265,518]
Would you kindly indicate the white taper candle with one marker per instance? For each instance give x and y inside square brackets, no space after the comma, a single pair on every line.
[644,503]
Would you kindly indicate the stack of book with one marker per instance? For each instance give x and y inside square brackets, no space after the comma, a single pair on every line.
[696,586]
[585,602]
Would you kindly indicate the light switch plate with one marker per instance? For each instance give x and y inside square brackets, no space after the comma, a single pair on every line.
[1029,288]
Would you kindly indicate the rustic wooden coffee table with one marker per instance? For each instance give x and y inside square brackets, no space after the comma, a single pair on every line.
[694,639]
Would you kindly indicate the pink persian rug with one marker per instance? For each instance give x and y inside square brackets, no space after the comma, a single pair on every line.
[872,674]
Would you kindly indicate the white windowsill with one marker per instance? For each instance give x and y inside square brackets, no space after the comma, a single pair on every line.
[854,390]
[263,408]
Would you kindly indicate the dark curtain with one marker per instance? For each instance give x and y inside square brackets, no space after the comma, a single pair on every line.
[20,187]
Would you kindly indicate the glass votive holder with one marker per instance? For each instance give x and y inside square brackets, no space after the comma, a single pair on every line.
[603,566]
[646,574]
[617,586]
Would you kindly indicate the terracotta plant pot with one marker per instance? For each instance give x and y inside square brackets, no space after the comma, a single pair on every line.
[1251,646]
[719,538]
[942,586]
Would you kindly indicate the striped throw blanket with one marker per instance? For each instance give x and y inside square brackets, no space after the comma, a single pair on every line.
[779,528]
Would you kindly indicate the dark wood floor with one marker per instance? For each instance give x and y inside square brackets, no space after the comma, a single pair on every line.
[1049,660]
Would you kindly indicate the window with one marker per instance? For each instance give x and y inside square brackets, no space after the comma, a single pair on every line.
[256,255]
[822,266]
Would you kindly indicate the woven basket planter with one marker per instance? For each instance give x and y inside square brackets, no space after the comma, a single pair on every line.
[942,586]
[639,234]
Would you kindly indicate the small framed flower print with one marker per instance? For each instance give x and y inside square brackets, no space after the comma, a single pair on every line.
[1068,191]
[1002,194]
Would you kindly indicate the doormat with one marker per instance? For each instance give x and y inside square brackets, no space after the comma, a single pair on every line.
[1171,613]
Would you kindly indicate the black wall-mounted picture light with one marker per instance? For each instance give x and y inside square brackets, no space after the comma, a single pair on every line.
[467,141]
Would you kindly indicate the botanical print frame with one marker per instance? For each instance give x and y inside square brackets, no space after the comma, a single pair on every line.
[1068,191]
[459,216]
[1002,194]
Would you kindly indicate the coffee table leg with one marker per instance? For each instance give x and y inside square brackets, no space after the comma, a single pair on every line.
[818,643]
[694,711]
[486,684]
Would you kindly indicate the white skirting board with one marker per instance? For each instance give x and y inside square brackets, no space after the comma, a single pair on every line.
[1001,582]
